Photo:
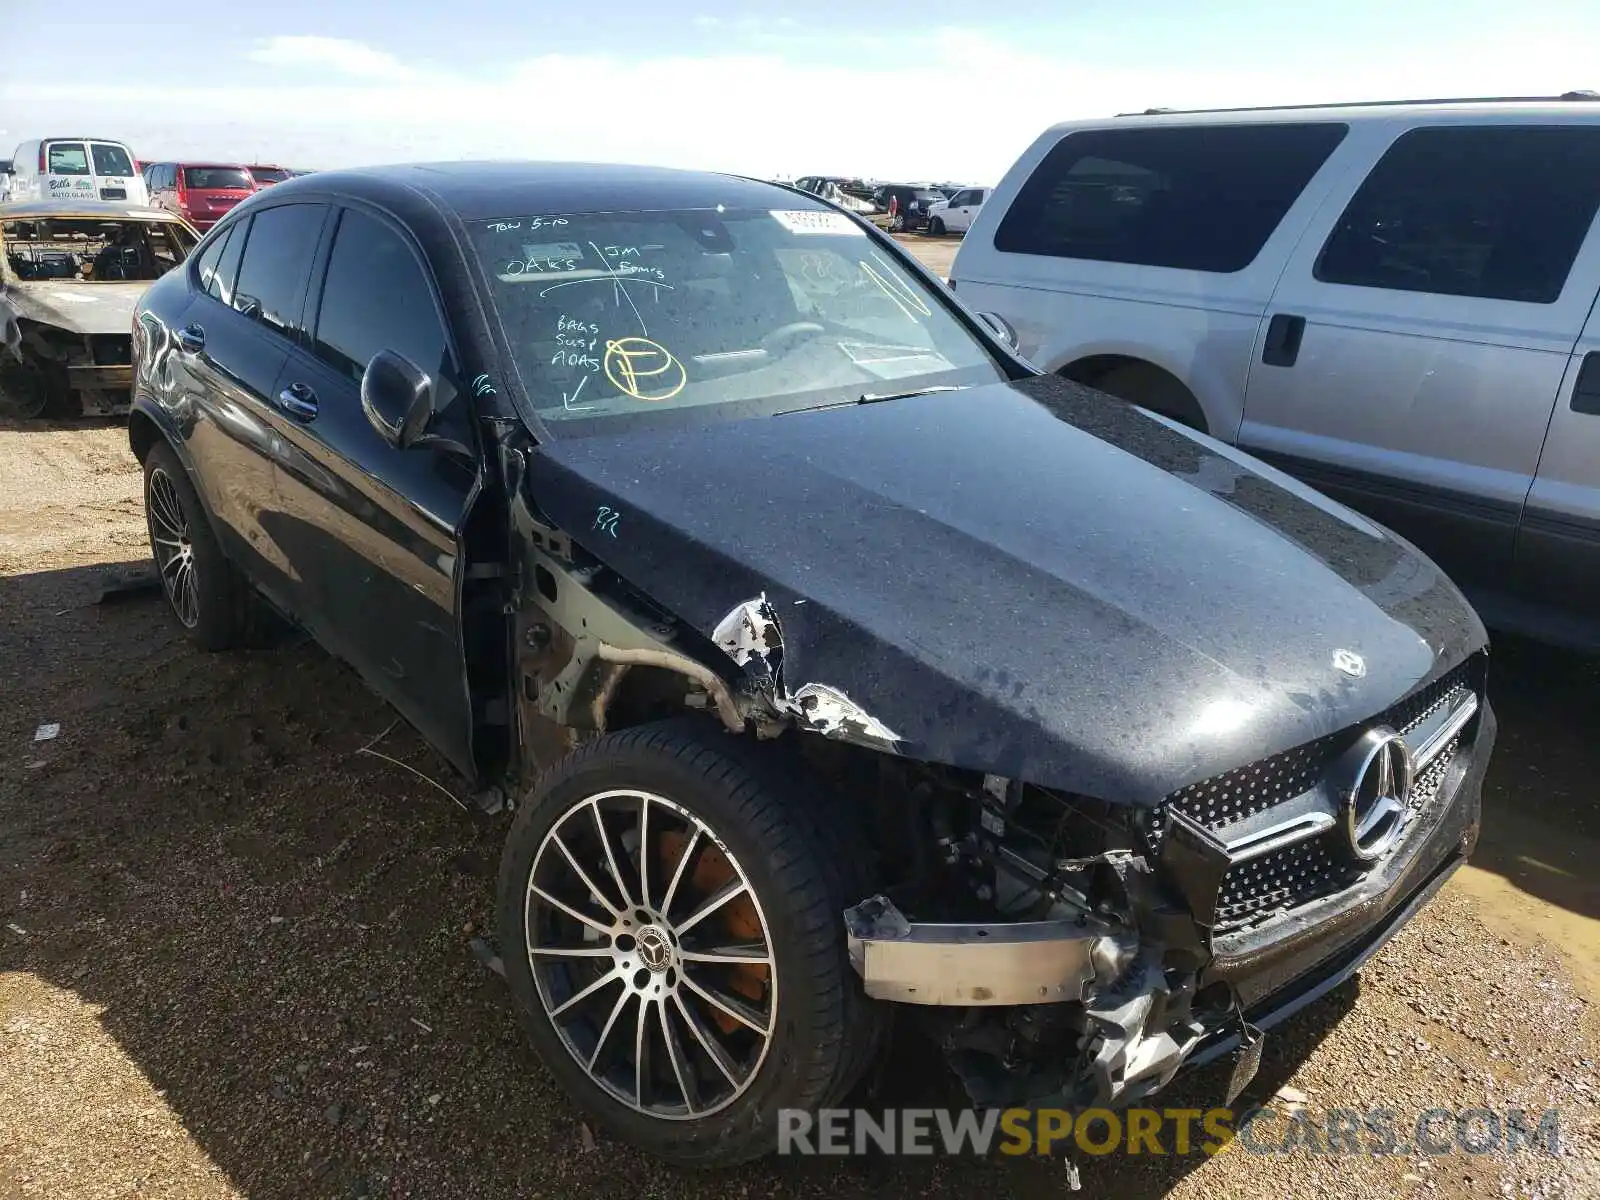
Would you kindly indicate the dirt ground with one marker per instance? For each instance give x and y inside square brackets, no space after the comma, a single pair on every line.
[234,949]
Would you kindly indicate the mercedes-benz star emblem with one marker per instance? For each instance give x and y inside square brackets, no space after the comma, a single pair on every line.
[1378,792]
[1351,663]
[654,950]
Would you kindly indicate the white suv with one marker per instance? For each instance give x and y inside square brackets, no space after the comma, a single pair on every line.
[1396,302]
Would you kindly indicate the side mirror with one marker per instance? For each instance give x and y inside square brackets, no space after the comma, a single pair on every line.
[1001,327]
[397,397]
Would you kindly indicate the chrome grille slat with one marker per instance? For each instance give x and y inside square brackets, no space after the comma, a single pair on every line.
[1287,878]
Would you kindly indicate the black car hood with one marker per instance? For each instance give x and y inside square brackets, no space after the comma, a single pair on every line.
[1028,579]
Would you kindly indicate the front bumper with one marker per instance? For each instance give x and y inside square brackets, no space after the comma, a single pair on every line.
[1267,973]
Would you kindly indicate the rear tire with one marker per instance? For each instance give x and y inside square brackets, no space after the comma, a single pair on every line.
[207,594]
[775,1020]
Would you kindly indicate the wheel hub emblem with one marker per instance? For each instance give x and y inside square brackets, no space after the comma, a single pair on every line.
[654,949]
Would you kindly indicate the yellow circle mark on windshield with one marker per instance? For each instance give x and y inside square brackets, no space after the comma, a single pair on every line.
[643,369]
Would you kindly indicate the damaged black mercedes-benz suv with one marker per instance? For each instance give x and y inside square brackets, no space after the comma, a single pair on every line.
[834,662]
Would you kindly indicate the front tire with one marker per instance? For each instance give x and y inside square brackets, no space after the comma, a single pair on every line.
[670,927]
[936,227]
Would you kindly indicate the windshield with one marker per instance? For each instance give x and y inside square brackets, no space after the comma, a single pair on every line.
[638,317]
[93,250]
[110,160]
[218,177]
[268,174]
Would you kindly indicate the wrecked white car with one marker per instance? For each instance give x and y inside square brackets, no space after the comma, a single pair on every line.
[70,275]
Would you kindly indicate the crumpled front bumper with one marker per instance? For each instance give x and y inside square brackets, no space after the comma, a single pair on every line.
[1268,972]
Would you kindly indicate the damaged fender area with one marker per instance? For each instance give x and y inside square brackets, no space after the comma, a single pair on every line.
[751,635]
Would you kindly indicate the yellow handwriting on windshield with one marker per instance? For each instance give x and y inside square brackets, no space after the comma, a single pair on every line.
[643,369]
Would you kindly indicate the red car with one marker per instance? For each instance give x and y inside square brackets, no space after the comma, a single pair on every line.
[202,193]
[266,175]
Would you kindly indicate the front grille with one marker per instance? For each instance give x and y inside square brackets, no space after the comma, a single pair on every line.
[1296,875]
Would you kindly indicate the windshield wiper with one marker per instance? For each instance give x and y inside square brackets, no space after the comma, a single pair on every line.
[872,398]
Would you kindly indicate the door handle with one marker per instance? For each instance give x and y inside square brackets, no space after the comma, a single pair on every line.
[1586,389]
[191,339]
[298,401]
[1282,344]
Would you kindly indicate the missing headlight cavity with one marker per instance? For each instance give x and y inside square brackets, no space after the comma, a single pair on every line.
[751,635]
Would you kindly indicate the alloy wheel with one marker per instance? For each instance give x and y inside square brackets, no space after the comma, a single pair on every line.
[651,954]
[174,552]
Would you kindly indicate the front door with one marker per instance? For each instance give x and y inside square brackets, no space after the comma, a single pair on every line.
[1558,546]
[371,532]
[1416,342]
[963,208]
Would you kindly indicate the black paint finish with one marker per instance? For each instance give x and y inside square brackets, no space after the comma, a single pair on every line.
[1028,579]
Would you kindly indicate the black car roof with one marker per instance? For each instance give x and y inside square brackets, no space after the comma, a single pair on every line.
[486,190]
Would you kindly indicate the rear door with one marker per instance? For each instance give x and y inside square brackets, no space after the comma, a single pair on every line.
[239,328]
[115,176]
[1558,546]
[1413,350]
[370,532]
[67,173]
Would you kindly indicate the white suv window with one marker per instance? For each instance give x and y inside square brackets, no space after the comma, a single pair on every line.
[1202,198]
[1494,211]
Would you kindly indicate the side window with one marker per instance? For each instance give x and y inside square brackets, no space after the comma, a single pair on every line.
[227,273]
[1494,211]
[376,297]
[206,265]
[979,195]
[277,262]
[67,158]
[961,198]
[1199,198]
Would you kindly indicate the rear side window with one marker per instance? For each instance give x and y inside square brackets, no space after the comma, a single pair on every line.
[1496,212]
[67,158]
[206,265]
[223,282]
[376,297]
[110,160]
[1198,198]
[217,177]
[277,262]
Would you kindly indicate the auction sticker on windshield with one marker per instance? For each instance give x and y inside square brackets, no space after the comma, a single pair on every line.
[810,220]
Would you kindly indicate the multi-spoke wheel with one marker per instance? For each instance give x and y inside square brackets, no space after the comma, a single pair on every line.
[654,961]
[169,540]
[206,592]
[671,925]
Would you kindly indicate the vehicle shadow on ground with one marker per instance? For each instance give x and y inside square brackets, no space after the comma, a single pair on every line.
[1541,825]
[275,927]
[55,424]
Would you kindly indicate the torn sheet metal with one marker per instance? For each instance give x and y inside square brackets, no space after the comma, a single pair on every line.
[751,636]
[77,307]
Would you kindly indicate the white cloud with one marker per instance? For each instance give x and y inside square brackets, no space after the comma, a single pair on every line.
[941,104]
[347,57]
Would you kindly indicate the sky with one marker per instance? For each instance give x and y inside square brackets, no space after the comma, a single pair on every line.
[947,90]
